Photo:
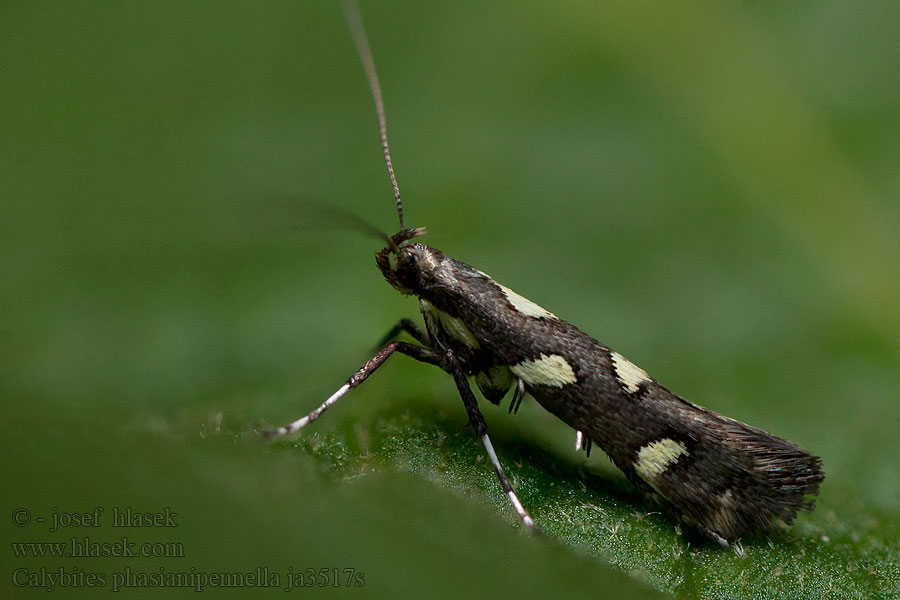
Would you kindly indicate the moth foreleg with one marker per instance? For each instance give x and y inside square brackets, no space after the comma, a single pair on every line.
[417,352]
[410,327]
[477,421]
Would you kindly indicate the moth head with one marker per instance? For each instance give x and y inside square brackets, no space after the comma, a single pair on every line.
[399,260]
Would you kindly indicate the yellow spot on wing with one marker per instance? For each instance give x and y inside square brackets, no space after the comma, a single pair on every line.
[629,374]
[654,458]
[526,306]
[552,370]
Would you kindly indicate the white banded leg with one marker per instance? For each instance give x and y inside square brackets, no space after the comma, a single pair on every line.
[304,421]
[582,442]
[518,396]
[476,419]
[526,519]
[422,354]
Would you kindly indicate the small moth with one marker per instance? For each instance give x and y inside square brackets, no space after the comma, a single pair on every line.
[722,477]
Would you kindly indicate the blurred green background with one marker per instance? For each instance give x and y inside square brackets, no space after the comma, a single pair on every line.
[711,190]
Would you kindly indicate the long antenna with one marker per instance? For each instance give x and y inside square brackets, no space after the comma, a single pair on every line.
[358,31]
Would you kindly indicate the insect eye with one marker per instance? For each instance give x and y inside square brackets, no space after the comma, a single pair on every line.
[399,263]
[405,270]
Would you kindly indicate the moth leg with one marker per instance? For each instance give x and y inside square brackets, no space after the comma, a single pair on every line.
[409,327]
[477,421]
[417,352]
[714,536]
[582,442]
[507,487]
[518,396]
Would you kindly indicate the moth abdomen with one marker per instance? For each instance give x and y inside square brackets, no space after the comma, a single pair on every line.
[723,477]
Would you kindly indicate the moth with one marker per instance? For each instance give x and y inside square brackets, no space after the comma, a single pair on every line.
[720,476]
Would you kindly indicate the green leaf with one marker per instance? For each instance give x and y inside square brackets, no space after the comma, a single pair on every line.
[825,555]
